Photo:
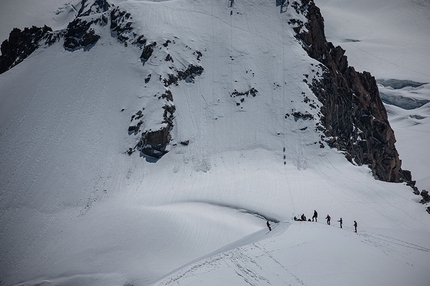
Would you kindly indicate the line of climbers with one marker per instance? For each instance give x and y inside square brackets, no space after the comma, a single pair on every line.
[328,219]
[315,218]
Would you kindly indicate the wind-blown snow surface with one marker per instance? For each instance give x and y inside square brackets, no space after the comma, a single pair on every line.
[76,210]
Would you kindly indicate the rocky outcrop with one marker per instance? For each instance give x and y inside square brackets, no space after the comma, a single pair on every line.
[121,26]
[426,197]
[354,116]
[241,95]
[21,43]
[80,34]
[89,7]
[188,75]
[147,51]
[153,143]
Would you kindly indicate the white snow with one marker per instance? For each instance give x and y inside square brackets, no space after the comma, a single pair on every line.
[312,254]
[75,209]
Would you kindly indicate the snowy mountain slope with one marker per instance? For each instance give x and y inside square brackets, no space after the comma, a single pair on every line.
[76,209]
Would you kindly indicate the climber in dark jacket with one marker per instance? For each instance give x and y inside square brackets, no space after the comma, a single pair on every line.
[315,216]
[328,218]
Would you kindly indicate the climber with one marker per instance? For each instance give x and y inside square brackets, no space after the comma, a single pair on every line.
[328,218]
[268,225]
[315,216]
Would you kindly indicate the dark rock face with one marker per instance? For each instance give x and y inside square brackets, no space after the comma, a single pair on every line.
[252,91]
[188,75]
[121,26]
[153,143]
[241,95]
[147,51]
[353,113]
[426,196]
[22,43]
[79,34]
[93,7]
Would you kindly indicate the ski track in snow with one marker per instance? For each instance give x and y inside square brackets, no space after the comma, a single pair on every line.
[245,266]
[380,240]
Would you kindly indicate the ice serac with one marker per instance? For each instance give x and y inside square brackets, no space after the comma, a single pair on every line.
[353,113]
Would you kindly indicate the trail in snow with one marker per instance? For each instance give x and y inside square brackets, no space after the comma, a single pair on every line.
[233,255]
